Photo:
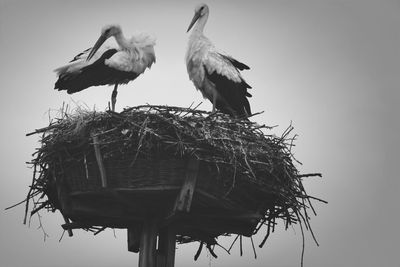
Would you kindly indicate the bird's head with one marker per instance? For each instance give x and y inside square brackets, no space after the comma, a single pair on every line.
[200,11]
[106,32]
[110,30]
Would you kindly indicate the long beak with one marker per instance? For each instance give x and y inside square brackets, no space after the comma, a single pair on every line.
[195,18]
[96,46]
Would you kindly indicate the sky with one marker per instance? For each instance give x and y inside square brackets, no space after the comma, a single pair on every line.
[331,68]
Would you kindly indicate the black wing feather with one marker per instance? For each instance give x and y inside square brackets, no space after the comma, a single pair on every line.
[239,65]
[233,96]
[93,75]
[80,54]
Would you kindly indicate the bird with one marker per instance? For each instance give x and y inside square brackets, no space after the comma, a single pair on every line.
[215,74]
[114,64]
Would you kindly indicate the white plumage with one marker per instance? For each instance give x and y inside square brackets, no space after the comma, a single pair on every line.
[215,74]
[112,64]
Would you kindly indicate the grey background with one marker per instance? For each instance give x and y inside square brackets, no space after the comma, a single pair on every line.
[330,67]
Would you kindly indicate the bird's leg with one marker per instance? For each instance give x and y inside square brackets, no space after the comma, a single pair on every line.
[214,102]
[114,97]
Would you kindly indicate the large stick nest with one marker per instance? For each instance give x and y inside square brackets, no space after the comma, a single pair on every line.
[253,166]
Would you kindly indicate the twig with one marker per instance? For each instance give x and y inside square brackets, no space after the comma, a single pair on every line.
[67,222]
[62,235]
[39,208]
[233,179]
[241,246]
[303,240]
[309,175]
[29,193]
[141,134]
[266,236]
[315,198]
[233,243]
[254,249]
[45,235]
[196,256]
[222,248]
[211,250]
[86,167]
[41,130]
[22,201]
[100,230]
[99,160]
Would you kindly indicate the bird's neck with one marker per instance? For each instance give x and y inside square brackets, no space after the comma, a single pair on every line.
[198,29]
[121,40]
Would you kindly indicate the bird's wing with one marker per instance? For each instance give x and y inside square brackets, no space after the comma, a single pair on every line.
[136,60]
[82,55]
[216,62]
[79,61]
[94,74]
[239,65]
[230,85]
[123,61]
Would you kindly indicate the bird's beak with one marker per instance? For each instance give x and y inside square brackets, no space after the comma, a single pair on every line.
[96,46]
[195,18]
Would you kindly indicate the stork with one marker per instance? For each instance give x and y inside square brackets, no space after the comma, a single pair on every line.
[215,74]
[108,65]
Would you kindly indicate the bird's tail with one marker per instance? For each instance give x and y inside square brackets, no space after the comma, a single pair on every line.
[66,76]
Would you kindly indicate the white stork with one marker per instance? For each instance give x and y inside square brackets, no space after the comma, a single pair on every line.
[108,65]
[214,73]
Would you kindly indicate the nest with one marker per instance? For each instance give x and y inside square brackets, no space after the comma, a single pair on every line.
[246,178]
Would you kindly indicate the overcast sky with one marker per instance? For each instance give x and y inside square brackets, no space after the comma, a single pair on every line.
[332,68]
